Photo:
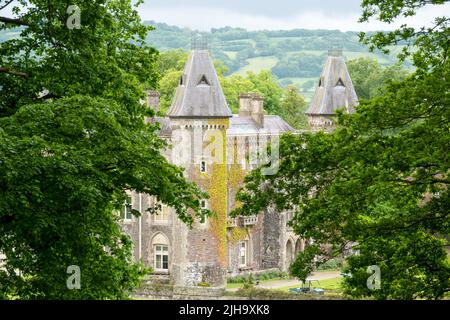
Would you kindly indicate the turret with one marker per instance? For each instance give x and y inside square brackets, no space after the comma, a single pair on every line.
[334,91]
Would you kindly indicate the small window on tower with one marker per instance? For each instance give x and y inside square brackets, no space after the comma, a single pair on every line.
[182,80]
[340,83]
[203,81]
[203,166]
[321,82]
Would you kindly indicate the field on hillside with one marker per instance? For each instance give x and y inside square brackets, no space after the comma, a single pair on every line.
[293,56]
[258,64]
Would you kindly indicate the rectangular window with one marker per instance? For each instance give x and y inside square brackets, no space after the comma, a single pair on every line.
[126,209]
[243,247]
[161,257]
[163,214]
[204,206]
[203,166]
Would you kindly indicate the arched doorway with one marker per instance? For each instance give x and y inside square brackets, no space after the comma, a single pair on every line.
[289,254]
[299,246]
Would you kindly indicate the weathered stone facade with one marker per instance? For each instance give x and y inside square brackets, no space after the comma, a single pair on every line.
[221,246]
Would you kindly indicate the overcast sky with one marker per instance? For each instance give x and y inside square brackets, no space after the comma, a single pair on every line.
[273,14]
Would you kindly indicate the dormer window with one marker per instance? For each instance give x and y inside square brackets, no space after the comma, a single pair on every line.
[203,81]
[340,83]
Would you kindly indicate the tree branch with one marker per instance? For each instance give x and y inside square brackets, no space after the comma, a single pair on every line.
[14,73]
[18,22]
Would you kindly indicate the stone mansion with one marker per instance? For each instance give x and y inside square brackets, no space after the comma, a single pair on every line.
[220,246]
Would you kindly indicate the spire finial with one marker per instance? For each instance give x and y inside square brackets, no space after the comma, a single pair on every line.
[199,41]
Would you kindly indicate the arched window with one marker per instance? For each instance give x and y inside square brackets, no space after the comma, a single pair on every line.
[160,253]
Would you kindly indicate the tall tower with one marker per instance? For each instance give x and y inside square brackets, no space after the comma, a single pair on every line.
[335,91]
[199,118]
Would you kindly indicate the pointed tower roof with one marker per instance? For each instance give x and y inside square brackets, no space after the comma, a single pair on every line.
[335,90]
[199,94]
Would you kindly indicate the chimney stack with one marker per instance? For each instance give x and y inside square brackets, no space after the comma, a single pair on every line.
[245,104]
[153,100]
[252,105]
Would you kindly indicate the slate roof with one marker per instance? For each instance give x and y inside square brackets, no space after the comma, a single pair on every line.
[199,94]
[239,126]
[335,89]
[246,125]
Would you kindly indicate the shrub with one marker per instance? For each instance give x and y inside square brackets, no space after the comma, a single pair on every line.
[332,264]
[266,294]
[259,277]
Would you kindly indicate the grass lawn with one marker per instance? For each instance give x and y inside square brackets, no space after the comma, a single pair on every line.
[234,285]
[240,285]
[328,284]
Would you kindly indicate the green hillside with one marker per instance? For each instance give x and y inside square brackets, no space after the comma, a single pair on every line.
[293,56]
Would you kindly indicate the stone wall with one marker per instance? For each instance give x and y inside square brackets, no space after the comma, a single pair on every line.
[171,292]
[207,251]
[272,235]
[192,274]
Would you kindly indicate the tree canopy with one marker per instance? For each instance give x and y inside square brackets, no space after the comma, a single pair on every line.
[379,183]
[370,78]
[72,140]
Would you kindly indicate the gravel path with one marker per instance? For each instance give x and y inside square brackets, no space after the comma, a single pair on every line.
[292,282]
[284,283]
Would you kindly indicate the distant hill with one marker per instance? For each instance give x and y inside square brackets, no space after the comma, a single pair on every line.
[293,56]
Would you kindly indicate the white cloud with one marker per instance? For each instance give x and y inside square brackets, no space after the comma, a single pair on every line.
[204,18]
[299,14]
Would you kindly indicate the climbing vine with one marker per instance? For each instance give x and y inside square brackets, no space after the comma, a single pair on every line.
[218,191]
[237,234]
[235,181]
